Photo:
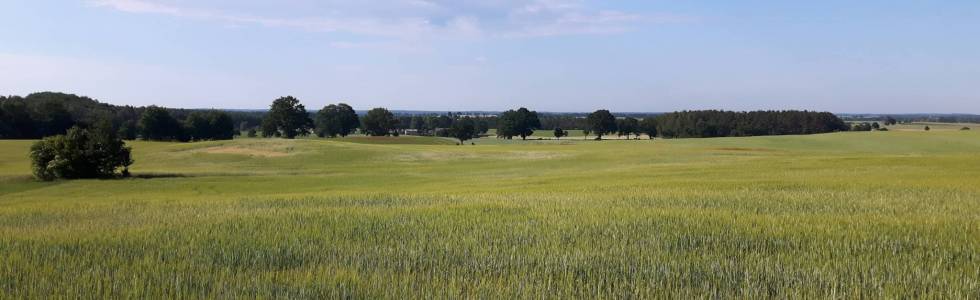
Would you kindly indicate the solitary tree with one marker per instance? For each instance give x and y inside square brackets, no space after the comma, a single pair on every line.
[602,122]
[81,153]
[464,129]
[157,124]
[521,122]
[559,133]
[927,128]
[648,126]
[378,122]
[286,118]
[628,126]
[334,120]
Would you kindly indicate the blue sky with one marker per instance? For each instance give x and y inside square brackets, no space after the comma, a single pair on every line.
[549,55]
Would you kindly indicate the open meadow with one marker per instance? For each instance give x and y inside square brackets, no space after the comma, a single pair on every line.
[845,215]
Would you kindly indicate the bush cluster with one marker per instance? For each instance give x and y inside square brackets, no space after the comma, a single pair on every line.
[81,153]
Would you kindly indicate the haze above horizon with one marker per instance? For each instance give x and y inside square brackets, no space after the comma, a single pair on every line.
[549,55]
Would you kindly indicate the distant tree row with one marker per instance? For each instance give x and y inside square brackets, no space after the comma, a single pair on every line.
[441,125]
[288,118]
[865,126]
[889,120]
[157,124]
[715,123]
[47,114]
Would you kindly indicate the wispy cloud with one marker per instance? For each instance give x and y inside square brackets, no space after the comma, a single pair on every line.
[412,19]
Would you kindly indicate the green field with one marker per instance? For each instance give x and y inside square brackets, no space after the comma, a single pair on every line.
[864,214]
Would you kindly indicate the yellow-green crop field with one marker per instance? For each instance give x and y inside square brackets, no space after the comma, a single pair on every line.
[849,215]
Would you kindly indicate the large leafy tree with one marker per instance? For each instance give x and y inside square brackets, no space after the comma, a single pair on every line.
[601,122]
[157,124]
[648,126]
[378,122]
[287,118]
[81,153]
[334,120]
[521,122]
[628,126]
[464,129]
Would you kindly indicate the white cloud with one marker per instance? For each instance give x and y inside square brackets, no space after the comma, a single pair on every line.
[404,19]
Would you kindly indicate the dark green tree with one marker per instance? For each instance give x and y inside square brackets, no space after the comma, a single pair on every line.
[602,122]
[861,127]
[334,120]
[559,133]
[287,118]
[51,118]
[81,153]
[157,124]
[209,125]
[15,120]
[521,122]
[128,130]
[378,122]
[890,121]
[482,126]
[648,126]
[627,126]
[464,129]
[875,126]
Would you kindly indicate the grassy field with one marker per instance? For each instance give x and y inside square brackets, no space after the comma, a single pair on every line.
[865,214]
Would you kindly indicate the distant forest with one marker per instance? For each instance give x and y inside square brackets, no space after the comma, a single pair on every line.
[910,118]
[45,114]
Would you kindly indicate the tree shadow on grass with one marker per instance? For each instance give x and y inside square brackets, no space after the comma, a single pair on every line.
[182,175]
[160,175]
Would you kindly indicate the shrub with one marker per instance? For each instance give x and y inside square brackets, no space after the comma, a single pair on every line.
[965,128]
[80,153]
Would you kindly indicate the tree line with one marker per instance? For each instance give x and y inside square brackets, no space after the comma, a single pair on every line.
[45,114]
[288,118]
[716,123]
[83,138]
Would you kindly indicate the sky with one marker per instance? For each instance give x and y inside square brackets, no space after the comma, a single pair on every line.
[548,55]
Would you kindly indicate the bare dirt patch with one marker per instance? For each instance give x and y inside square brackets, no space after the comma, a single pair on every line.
[511,155]
[244,151]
